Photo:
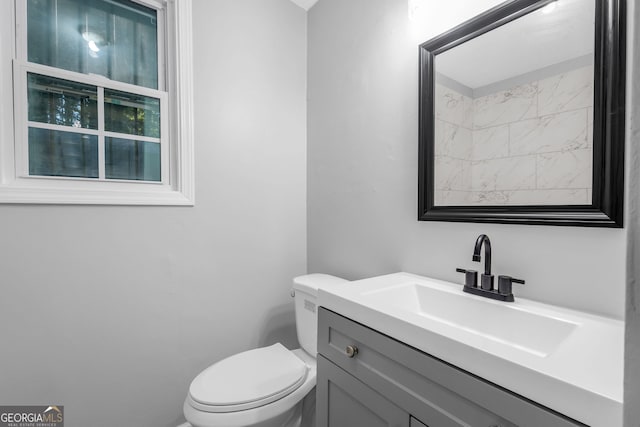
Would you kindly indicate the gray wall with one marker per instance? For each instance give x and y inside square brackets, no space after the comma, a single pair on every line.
[632,336]
[111,311]
[362,172]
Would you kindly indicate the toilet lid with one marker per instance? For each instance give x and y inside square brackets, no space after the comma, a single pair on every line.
[249,379]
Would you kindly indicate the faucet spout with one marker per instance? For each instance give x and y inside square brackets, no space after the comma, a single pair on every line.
[483,239]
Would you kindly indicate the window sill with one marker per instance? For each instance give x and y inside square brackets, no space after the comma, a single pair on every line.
[157,196]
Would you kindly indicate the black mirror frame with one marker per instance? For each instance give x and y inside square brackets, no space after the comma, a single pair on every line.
[607,206]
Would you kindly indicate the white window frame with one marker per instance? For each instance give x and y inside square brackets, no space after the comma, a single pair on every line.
[176,94]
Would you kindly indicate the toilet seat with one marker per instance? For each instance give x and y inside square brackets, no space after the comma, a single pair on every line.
[277,412]
[248,380]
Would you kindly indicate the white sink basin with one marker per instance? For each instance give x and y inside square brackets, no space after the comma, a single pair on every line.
[539,334]
[566,360]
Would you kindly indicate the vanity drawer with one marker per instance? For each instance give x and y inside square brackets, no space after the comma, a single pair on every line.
[436,393]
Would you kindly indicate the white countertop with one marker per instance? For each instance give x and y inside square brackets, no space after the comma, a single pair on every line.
[582,377]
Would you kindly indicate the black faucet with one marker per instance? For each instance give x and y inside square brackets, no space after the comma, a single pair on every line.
[486,288]
[486,279]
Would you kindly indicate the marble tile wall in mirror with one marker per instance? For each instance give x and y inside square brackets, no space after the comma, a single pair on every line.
[527,144]
[518,133]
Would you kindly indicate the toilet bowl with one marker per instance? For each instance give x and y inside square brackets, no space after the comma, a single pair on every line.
[263,387]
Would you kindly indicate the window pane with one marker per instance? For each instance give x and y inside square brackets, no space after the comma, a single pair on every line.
[128,159]
[62,102]
[55,153]
[132,114]
[117,39]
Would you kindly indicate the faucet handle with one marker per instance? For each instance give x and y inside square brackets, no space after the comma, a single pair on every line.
[470,277]
[505,284]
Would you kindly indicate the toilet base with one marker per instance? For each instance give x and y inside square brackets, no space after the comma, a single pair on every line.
[290,418]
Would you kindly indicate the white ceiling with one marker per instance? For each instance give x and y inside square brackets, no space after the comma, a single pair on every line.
[305,4]
[532,42]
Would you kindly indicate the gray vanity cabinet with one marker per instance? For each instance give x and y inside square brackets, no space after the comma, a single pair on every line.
[388,383]
[354,404]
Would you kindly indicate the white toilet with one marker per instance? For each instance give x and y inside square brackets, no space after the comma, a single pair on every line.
[263,387]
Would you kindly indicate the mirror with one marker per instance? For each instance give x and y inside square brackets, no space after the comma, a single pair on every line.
[522,116]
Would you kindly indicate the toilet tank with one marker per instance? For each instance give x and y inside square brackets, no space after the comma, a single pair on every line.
[305,294]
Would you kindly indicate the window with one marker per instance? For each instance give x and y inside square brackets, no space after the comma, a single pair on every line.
[101,102]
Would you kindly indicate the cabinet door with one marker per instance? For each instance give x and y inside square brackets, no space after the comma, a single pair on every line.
[343,401]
